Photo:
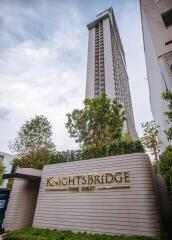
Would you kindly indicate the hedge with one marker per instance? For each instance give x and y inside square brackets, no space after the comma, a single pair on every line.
[46,234]
[93,152]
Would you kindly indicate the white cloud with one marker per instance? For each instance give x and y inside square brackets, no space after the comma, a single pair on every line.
[44,79]
[43,63]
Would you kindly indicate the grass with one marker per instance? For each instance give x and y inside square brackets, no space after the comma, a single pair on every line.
[46,234]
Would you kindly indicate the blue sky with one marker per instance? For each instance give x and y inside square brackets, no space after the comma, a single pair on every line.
[44,56]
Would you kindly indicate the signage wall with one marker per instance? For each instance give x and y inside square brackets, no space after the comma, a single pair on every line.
[113,195]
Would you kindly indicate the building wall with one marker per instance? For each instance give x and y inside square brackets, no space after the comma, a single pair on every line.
[159,33]
[155,35]
[22,202]
[131,211]
[90,64]
[109,84]
[7,159]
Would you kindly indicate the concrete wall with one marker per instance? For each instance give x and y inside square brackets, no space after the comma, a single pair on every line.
[155,35]
[156,83]
[131,211]
[159,33]
[22,202]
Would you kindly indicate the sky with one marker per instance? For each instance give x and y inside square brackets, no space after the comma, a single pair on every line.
[43,62]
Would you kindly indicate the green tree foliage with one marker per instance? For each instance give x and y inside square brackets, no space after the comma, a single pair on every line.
[10,183]
[150,139]
[166,157]
[99,122]
[126,137]
[2,170]
[37,160]
[33,145]
[165,165]
[167,95]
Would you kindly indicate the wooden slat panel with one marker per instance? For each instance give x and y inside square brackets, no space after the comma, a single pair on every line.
[22,202]
[118,211]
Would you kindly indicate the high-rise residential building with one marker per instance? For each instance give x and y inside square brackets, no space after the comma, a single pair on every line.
[106,66]
[157,36]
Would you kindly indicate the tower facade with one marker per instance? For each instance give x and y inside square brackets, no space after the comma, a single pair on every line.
[106,66]
[157,36]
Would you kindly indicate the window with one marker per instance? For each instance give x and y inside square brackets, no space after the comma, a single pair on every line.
[168,61]
[169,42]
[167,18]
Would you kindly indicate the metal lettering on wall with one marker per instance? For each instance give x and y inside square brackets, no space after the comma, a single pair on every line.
[90,182]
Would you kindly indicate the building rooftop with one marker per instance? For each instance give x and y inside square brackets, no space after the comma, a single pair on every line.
[100,16]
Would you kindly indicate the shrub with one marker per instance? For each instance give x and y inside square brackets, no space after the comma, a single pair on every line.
[118,148]
[165,164]
[46,234]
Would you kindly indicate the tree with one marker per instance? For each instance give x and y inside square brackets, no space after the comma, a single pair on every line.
[2,170]
[126,137]
[33,145]
[99,122]
[165,165]
[150,139]
[37,160]
[167,95]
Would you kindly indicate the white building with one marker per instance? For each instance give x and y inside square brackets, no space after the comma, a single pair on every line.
[7,159]
[157,35]
[106,66]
